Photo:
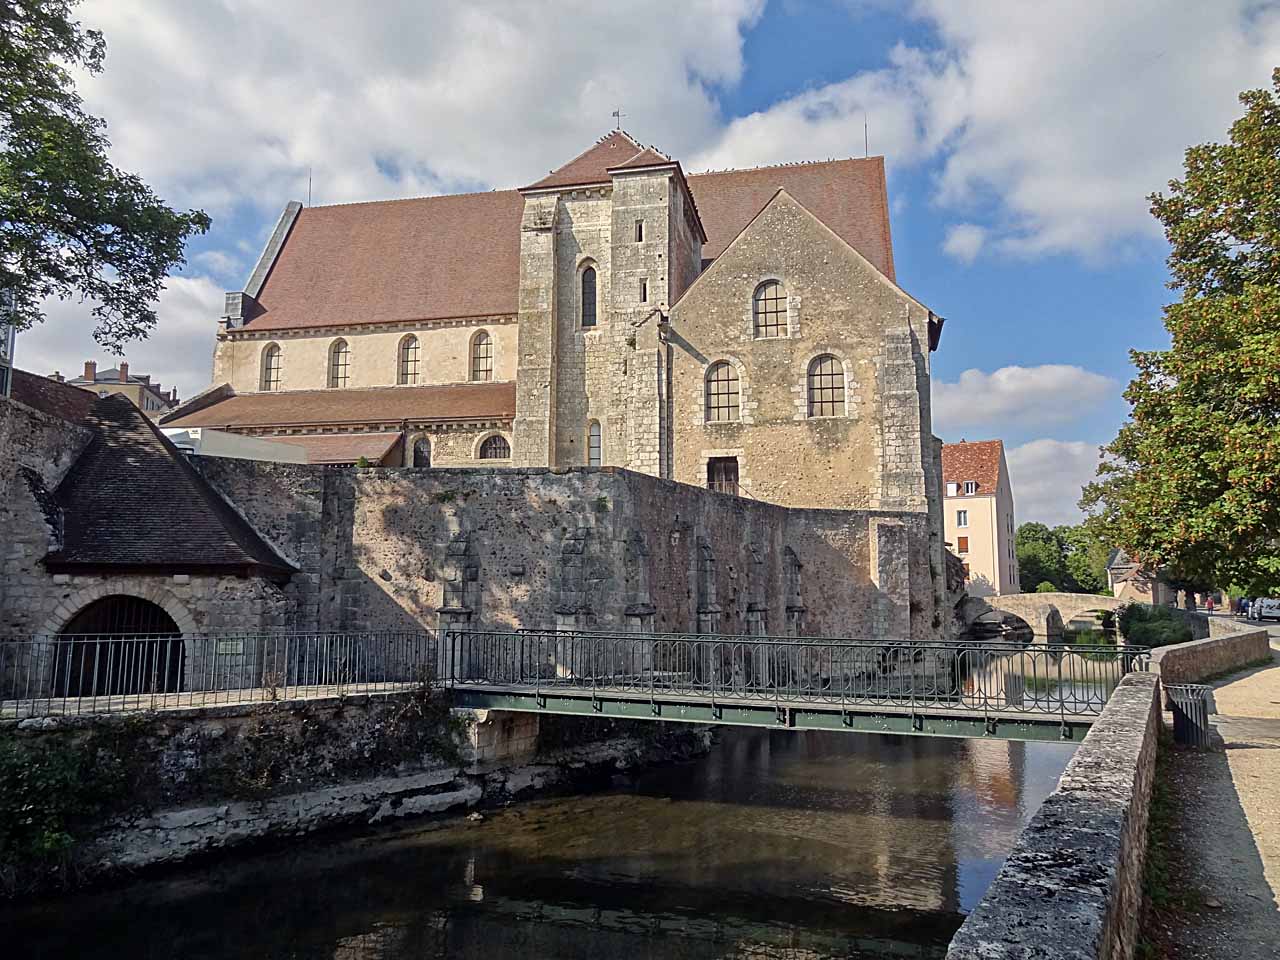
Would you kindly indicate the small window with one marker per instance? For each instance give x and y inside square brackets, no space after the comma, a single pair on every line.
[407,362]
[769,308]
[962,544]
[589,297]
[639,231]
[953,489]
[482,357]
[962,518]
[966,573]
[495,448]
[970,487]
[339,364]
[722,393]
[644,290]
[722,475]
[826,387]
[271,367]
[594,446]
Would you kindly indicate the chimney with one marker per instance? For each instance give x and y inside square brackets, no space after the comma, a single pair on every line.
[57,376]
[91,370]
[124,371]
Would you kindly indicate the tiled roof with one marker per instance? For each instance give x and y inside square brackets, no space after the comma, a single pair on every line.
[849,196]
[592,165]
[445,402]
[648,157]
[975,460]
[132,501]
[50,396]
[425,259]
[344,447]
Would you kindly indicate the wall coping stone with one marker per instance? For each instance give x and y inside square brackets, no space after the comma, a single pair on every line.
[1071,888]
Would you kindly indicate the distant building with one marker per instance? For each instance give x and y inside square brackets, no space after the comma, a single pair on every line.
[978,515]
[146,396]
[1130,580]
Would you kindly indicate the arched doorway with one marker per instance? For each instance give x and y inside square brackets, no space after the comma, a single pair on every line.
[119,644]
[422,452]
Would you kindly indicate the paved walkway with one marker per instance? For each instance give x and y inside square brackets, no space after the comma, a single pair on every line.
[1225,850]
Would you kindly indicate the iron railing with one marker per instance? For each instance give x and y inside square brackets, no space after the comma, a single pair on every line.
[96,673]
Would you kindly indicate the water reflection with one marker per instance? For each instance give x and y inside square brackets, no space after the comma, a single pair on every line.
[778,845]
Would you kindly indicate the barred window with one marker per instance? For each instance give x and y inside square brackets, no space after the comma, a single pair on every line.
[407,367]
[495,448]
[594,445]
[826,387]
[482,357]
[769,307]
[589,297]
[339,363]
[722,393]
[271,367]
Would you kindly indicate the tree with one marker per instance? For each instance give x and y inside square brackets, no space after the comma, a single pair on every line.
[71,223]
[1192,481]
[1039,557]
[1085,559]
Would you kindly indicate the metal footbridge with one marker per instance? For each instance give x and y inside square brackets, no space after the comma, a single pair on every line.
[951,689]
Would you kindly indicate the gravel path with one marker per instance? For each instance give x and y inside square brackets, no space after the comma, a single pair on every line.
[1225,844]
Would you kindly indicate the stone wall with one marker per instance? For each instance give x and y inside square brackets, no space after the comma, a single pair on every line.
[1072,887]
[607,549]
[1225,646]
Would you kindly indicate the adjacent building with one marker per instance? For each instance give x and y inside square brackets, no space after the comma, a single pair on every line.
[148,397]
[1132,581]
[978,512]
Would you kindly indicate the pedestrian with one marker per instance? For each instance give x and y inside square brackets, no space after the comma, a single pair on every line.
[1208,604]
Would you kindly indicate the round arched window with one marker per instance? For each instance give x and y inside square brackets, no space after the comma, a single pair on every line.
[495,448]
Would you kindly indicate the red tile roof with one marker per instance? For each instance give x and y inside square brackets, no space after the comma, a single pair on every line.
[592,165]
[51,397]
[978,460]
[345,447]
[390,405]
[648,157]
[849,196]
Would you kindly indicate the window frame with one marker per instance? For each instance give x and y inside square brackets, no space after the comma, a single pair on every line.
[595,444]
[272,365]
[962,519]
[715,400]
[825,388]
[771,322]
[339,364]
[494,439]
[970,487]
[480,365]
[588,267]
[962,543]
[408,356]
[640,230]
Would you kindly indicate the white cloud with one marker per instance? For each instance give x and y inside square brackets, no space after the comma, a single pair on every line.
[179,352]
[1047,476]
[1019,397]
[964,241]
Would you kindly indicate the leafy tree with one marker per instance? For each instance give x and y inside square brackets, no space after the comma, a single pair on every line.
[1039,557]
[1192,481]
[1045,586]
[1085,559]
[71,223]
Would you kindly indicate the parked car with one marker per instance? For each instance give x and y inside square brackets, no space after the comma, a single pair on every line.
[1265,608]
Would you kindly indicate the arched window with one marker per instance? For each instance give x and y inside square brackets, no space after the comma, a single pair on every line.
[595,449]
[769,308]
[271,367]
[339,363]
[589,297]
[495,448]
[826,387]
[407,362]
[482,357]
[722,393]
[422,452]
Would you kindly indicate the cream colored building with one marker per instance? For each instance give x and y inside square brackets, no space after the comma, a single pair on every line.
[978,515]
[146,396]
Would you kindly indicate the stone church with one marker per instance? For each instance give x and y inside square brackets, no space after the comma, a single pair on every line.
[740,330]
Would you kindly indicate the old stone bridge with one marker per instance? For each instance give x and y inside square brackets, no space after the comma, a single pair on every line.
[1045,613]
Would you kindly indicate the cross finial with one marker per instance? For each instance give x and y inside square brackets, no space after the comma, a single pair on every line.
[617,116]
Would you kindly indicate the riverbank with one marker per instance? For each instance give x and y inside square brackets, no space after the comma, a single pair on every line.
[1219,852]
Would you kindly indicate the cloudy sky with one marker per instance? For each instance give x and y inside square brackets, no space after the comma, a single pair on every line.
[1021,140]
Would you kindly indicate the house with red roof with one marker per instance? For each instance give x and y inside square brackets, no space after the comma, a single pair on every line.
[978,515]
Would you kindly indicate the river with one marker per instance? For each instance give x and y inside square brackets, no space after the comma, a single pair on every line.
[777,845]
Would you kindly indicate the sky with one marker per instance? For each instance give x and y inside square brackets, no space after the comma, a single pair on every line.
[1021,141]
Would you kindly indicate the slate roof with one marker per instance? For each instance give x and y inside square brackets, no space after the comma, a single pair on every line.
[353,406]
[131,501]
[436,258]
[51,397]
[978,460]
[344,447]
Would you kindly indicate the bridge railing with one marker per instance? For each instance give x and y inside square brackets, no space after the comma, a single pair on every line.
[994,677]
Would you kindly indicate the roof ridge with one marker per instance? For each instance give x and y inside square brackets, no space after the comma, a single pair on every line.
[780,166]
[428,196]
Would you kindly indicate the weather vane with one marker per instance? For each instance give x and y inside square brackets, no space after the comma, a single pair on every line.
[617,116]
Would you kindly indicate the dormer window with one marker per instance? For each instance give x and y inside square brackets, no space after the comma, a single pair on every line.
[970,487]
[953,489]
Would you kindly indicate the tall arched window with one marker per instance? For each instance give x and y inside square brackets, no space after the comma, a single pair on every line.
[407,362]
[595,447]
[589,297]
[339,363]
[271,367]
[722,393]
[482,357]
[769,308]
[826,387]
[495,448]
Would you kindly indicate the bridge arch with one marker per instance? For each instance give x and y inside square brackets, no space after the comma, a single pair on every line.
[1048,613]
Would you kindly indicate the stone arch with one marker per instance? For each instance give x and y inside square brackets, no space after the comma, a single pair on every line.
[488,435]
[419,450]
[139,587]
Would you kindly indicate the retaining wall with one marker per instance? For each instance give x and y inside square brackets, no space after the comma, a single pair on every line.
[1072,887]
[1227,646]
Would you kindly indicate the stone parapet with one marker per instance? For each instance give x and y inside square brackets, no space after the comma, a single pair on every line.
[1072,887]
[1228,646]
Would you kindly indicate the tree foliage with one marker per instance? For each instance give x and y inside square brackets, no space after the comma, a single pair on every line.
[1069,558]
[1192,482]
[71,223]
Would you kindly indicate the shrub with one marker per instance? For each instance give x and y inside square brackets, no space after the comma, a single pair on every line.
[1044,586]
[1146,626]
